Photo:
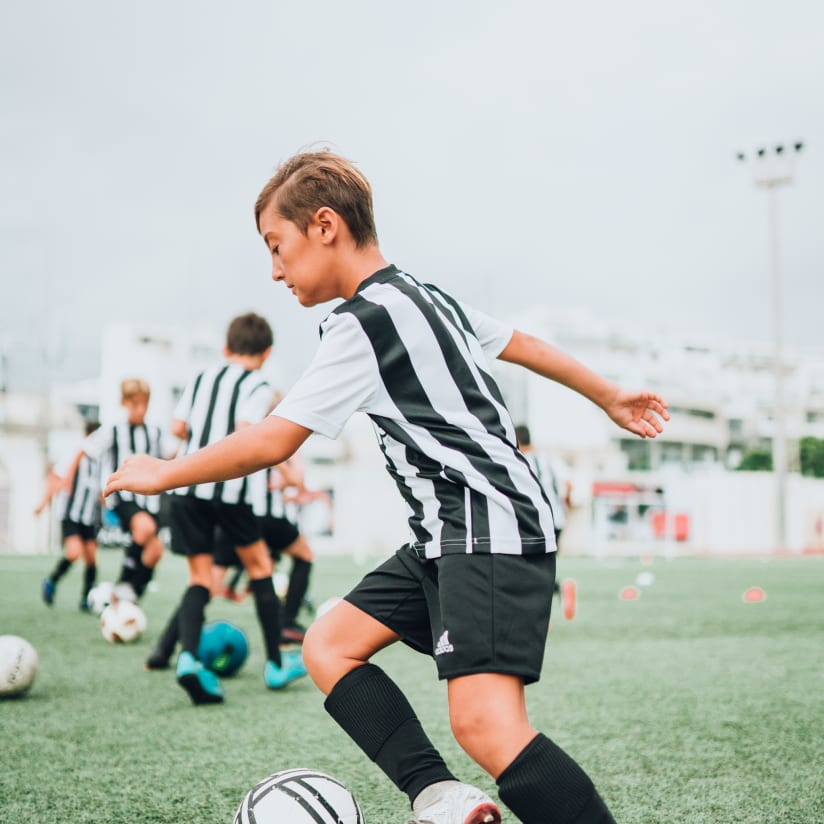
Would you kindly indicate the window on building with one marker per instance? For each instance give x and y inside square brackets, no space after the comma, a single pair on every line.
[638,454]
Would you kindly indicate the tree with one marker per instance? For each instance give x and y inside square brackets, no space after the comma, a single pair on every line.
[756,460]
[812,456]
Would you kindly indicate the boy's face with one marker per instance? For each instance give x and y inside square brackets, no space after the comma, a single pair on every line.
[136,407]
[301,261]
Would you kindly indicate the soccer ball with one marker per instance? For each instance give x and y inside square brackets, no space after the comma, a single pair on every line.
[299,796]
[100,597]
[122,622]
[223,647]
[18,665]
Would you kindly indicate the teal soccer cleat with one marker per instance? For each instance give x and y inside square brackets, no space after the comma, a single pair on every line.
[291,668]
[202,685]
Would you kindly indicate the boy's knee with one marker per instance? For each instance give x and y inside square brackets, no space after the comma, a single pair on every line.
[316,653]
[469,725]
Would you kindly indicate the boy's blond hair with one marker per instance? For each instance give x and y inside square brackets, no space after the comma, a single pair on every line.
[134,387]
[310,180]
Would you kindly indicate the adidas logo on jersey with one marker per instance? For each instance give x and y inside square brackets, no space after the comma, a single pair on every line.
[443,645]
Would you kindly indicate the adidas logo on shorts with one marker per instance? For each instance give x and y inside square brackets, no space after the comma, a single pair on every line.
[443,645]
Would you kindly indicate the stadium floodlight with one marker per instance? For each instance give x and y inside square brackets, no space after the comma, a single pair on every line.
[771,169]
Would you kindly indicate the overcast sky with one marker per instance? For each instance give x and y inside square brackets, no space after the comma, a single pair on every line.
[574,154]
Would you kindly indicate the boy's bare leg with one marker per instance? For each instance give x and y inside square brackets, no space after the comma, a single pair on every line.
[370,707]
[536,779]
[489,720]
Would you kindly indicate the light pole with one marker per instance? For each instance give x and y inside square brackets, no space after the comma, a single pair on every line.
[773,168]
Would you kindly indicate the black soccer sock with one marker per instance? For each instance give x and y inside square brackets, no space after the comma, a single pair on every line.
[142,575]
[190,618]
[543,784]
[298,584]
[267,608]
[372,710]
[167,642]
[60,569]
[89,577]
[131,558]
[235,579]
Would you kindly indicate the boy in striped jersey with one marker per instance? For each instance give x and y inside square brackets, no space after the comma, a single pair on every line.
[469,588]
[80,521]
[137,513]
[229,397]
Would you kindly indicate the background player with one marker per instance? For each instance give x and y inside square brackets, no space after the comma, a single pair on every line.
[137,513]
[221,400]
[554,477]
[470,587]
[79,522]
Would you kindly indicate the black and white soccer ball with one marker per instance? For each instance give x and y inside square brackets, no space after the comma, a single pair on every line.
[18,665]
[299,796]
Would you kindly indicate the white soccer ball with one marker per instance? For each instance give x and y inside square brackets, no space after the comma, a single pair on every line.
[299,796]
[18,665]
[122,622]
[124,592]
[100,597]
[645,579]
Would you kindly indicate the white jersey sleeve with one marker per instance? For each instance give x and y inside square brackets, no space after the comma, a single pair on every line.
[492,334]
[341,379]
[99,442]
[253,406]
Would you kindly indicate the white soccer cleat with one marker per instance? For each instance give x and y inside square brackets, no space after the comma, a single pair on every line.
[452,802]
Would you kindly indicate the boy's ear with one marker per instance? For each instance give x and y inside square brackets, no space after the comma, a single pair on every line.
[327,222]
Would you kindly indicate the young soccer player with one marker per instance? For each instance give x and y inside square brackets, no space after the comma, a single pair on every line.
[470,587]
[80,521]
[137,513]
[223,399]
[554,478]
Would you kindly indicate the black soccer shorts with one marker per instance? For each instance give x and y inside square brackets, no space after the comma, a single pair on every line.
[472,613]
[85,532]
[277,533]
[194,521]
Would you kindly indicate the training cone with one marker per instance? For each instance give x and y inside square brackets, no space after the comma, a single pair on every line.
[569,595]
[754,595]
[629,594]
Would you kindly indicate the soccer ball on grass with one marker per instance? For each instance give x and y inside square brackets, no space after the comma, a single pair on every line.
[122,622]
[223,647]
[18,665]
[299,796]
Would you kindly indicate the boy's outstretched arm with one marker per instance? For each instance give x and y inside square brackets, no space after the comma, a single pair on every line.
[638,412]
[249,449]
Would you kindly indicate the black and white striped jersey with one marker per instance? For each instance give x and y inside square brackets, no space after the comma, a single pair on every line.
[212,405]
[111,445]
[82,504]
[415,360]
[268,502]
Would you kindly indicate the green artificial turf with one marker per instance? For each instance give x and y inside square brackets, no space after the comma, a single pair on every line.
[686,705]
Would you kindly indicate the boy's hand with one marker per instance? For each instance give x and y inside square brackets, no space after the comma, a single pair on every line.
[638,412]
[138,473]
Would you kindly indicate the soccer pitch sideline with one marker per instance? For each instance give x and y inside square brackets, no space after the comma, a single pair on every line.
[685,705]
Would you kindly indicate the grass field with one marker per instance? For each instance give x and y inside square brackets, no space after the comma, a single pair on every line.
[686,705]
